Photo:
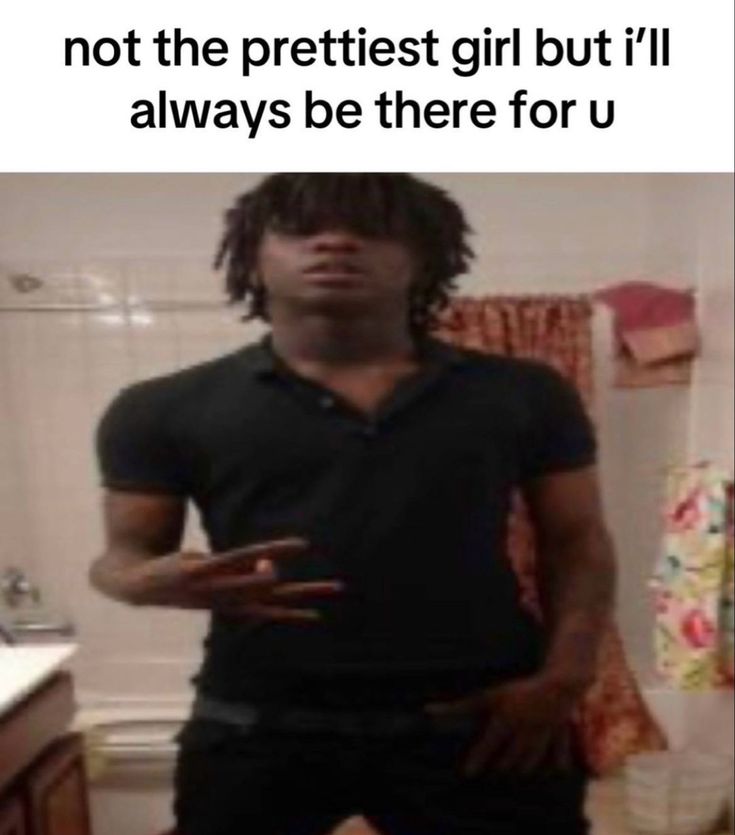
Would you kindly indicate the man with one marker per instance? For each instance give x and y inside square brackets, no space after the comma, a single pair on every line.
[368,651]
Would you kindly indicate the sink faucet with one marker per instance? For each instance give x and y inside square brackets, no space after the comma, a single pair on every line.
[16,589]
[22,619]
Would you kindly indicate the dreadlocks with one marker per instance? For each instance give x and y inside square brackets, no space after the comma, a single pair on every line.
[396,206]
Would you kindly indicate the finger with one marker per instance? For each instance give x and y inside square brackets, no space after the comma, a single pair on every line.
[230,583]
[297,591]
[526,753]
[482,702]
[259,589]
[249,556]
[200,598]
[265,568]
[564,751]
[279,614]
[487,749]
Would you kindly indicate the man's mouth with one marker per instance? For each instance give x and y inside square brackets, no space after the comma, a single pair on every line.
[334,272]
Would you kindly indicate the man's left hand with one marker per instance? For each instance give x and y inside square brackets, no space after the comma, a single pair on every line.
[525,725]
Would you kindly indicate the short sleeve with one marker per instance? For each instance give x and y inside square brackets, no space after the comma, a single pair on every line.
[560,434]
[134,446]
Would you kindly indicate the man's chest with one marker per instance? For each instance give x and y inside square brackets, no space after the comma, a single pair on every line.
[282,441]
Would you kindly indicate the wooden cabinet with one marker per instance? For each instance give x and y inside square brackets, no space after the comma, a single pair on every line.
[43,788]
[56,792]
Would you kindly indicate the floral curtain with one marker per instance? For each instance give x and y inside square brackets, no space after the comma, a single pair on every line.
[614,721]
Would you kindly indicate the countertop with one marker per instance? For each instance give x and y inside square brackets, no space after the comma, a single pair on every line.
[24,668]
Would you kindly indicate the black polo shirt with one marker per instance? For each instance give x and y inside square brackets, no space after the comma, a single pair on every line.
[408,508]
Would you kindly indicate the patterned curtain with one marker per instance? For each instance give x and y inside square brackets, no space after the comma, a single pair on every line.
[614,721]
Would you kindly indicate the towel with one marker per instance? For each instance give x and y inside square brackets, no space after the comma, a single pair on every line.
[656,334]
[693,580]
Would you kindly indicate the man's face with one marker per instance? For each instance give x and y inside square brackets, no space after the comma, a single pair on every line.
[335,270]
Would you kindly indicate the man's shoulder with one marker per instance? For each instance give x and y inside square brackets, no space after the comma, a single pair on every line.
[500,369]
[183,384]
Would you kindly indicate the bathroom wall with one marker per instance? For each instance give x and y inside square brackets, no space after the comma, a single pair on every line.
[713,411]
[149,239]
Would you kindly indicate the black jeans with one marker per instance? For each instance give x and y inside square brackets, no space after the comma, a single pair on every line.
[274,782]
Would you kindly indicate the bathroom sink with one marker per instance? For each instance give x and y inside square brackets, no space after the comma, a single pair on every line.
[24,668]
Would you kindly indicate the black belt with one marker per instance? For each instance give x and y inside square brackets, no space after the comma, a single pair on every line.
[247,717]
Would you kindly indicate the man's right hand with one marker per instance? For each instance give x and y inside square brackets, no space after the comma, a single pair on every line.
[243,583]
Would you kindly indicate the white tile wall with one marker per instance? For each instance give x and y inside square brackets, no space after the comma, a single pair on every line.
[59,370]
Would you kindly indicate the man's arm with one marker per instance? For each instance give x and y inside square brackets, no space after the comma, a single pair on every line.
[527,721]
[577,572]
[138,528]
[142,565]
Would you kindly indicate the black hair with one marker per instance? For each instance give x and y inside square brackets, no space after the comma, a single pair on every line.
[397,206]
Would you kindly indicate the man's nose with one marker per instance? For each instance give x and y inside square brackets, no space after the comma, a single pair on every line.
[336,240]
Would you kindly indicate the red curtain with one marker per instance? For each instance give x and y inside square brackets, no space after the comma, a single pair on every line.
[614,721]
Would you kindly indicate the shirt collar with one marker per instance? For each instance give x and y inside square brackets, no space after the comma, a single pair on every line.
[262,361]
[437,351]
[259,358]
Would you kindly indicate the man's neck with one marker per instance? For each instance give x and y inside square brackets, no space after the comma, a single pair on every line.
[345,342]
